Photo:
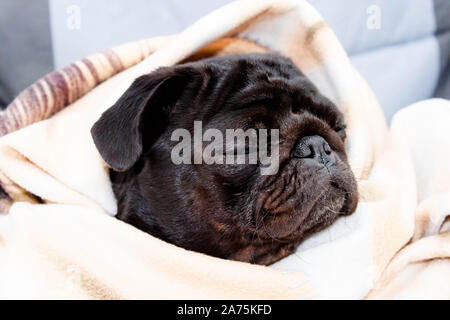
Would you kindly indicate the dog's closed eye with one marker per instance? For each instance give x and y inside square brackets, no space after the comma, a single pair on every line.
[341,131]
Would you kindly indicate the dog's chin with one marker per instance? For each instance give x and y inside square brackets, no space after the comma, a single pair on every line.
[302,220]
[275,236]
[301,202]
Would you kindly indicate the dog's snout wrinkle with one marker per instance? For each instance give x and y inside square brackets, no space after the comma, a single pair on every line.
[314,147]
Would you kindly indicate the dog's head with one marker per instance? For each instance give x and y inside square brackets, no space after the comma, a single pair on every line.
[226,209]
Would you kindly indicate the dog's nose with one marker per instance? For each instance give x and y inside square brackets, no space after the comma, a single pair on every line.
[314,147]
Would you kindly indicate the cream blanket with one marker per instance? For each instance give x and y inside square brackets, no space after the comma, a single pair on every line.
[57,236]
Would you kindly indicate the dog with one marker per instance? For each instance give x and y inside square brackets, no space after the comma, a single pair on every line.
[228,211]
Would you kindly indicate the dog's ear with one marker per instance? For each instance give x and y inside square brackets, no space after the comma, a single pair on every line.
[118,134]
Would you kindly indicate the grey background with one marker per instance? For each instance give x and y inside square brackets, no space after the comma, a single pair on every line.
[25,45]
[106,23]
[442,11]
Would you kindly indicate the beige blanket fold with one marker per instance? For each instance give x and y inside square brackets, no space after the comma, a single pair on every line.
[58,238]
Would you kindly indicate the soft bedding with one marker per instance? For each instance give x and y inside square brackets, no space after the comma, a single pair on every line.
[58,238]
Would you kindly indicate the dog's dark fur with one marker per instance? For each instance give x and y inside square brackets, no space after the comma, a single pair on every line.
[228,211]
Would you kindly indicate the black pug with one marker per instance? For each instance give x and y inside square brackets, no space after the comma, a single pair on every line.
[228,211]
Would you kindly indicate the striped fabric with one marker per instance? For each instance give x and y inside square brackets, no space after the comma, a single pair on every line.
[60,88]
